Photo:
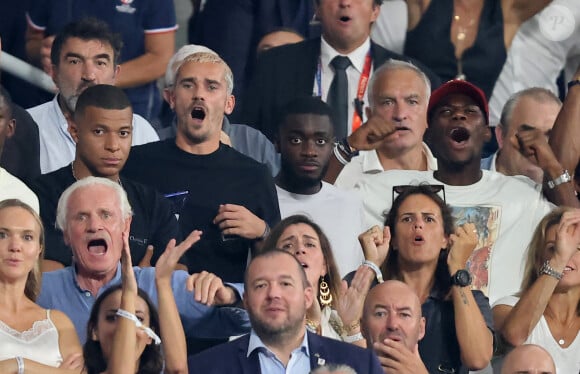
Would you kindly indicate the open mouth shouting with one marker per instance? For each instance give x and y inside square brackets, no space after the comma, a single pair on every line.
[97,247]
[418,239]
[198,112]
[459,135]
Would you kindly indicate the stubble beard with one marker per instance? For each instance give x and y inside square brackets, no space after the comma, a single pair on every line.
[277,335]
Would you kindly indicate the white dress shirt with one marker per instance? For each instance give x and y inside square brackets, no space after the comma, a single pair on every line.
[353,73]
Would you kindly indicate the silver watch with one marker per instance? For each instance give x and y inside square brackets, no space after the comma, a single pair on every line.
[548,270]
[563,178]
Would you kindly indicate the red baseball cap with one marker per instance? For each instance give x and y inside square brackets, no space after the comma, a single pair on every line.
[457,86]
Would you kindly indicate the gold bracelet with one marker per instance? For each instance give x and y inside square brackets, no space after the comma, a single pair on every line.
[353,326]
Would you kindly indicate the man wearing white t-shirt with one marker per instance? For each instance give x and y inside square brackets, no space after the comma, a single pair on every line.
[504,209]
[305,140]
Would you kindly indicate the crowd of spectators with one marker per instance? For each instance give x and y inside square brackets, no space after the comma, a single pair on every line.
[334,186]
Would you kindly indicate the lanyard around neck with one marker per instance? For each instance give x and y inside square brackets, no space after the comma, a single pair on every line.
[362,86]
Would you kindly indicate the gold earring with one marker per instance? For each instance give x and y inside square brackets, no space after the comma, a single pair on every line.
[324,295]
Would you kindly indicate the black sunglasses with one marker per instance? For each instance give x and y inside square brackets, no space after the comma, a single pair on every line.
[435,188]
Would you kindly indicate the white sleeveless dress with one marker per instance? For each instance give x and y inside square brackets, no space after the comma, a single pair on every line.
[39,343]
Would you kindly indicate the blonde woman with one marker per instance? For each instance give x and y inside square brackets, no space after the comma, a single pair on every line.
[547,310]
[33,339]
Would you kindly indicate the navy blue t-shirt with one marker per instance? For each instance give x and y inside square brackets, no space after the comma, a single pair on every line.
[130,18]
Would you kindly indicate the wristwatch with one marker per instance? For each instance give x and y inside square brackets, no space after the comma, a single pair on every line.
[461,278]
[548,270]
[563,178]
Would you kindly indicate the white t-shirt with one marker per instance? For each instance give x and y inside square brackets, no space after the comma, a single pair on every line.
[367,162]
[13,188]
[338,213]
[57,147]
[505,210]
[567,360]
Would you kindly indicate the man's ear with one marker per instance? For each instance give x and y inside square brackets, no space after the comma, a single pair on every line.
[171,98]
[421,328]
[117,72]
[65,237]
[166,95]
[499,136]
[308,297]
[73,130]
[54,73]
[11,128]
[230,104]
[128,224]
[376,11]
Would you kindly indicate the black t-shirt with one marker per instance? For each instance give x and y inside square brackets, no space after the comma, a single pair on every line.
[153,221]
[199,184]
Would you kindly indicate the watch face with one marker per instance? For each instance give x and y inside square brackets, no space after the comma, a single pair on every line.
[462,278]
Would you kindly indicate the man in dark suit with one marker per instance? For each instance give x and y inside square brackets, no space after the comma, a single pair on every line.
[305,68]
[276,298]
[233,29]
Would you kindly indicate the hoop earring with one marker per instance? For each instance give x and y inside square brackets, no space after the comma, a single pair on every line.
[324,295]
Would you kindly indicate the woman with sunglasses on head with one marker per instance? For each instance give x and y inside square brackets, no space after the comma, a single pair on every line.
[124,323]
[338,309]
[547,310]
[429,254]
[32,339]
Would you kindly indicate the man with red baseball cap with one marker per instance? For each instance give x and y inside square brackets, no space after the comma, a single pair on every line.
[504,209]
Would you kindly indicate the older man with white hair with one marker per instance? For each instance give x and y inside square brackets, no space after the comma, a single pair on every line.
[392,137]
[95,215]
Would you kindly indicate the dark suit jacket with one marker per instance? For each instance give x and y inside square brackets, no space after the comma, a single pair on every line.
[21,155]
[233,29]
[232,357]
[287,72]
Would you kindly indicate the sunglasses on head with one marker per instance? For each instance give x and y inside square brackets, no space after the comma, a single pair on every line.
[435,188]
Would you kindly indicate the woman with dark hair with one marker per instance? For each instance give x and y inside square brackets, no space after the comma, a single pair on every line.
[124,323]
[547,310]
[338,310]
[32,339]
[430,255]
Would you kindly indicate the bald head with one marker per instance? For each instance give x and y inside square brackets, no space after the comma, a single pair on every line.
[393,311]
[528,359]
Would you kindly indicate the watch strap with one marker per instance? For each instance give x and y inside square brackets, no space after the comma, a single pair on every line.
[548,270]
[563,178]
[455,280]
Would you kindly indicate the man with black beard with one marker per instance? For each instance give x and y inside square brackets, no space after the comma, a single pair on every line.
[305,141]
